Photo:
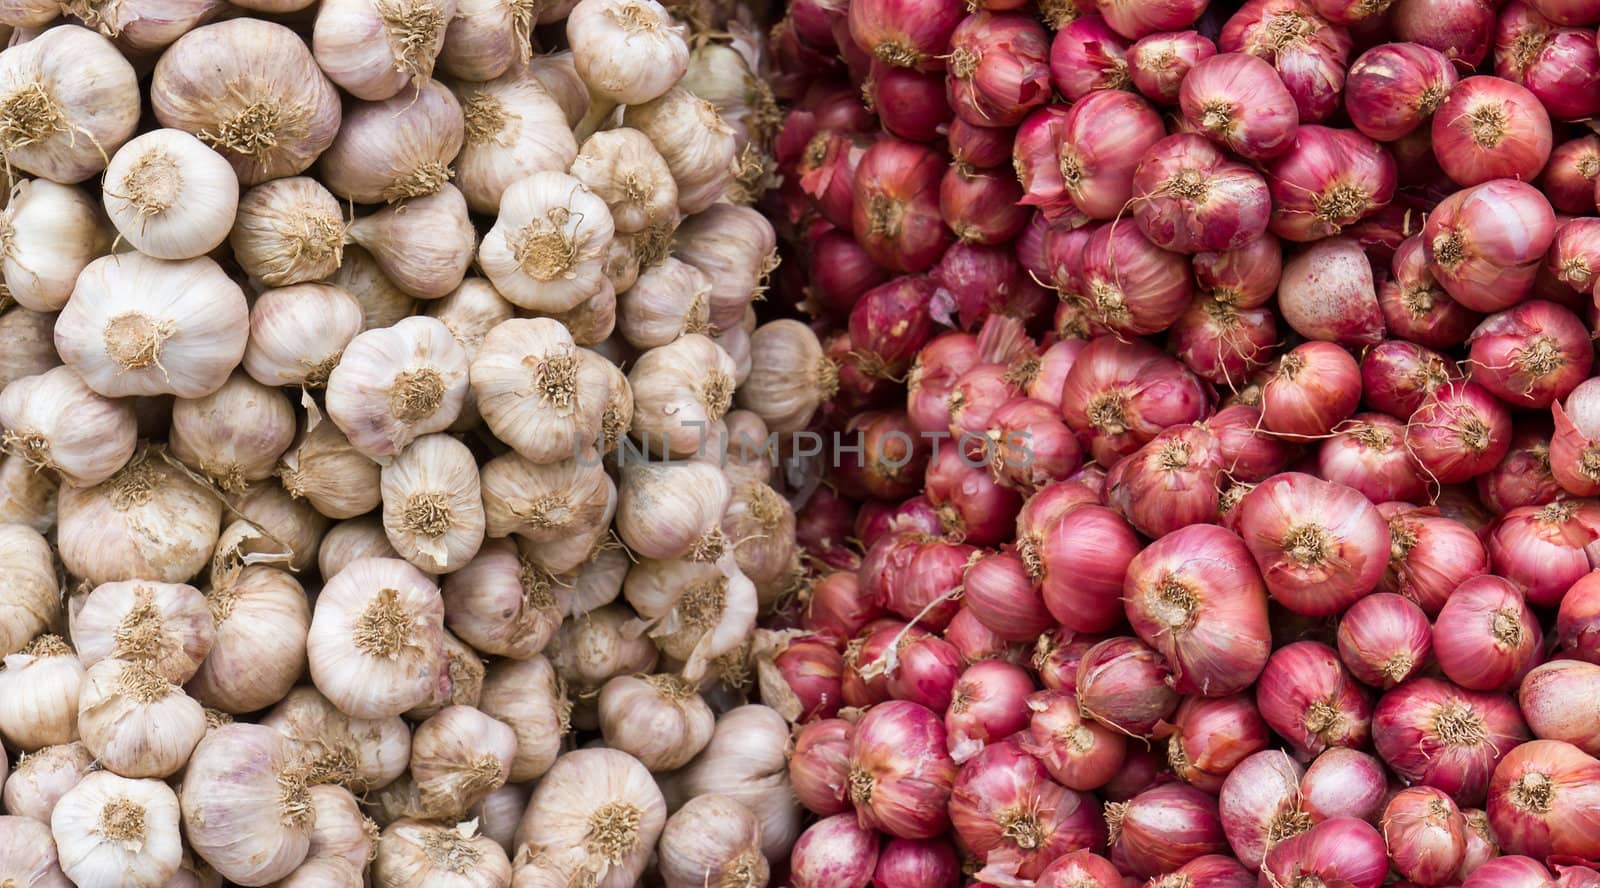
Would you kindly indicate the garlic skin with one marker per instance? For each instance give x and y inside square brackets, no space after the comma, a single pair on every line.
[48,233]
[528,697]
[724,76]
[681,391]
[618,415]
[735,343]
[673,510]
[165,626]
[601,809]
[592,649]
[536,392]
[261,618]
[470,312]
[340,831]
[143,26]
[514,127]
[170,196]
[323,872]
[737,249]
[791,376]
[39,689]
[628,51]
[659,719]
[499,813]
[714,840]
[299,332]
[111,830]
[382,303]
[413,852]
[28,854]
[669,300]
[699,611]
[348,540]
[246,808]
[558,71]
[394,384]
[746,761]
[458,680]
[135,722]
[743,450]
[373,49]
[502,603]
[27,573]
[283,526]
[547,249]
[759,523]
[234,435]
[249,89]
[325,470]
[24,15]
[142,326]
[41,778]
[459,756]
[357,754]
[288,231]
[423,244]
[67,100]
[593,320]
[624,169]
[485,38]
[55,421]
[147,520]
[432,504]
[566,504]
[377,638]
[394,149]
[27,495]
[597,583]
[699,148]
[30,343]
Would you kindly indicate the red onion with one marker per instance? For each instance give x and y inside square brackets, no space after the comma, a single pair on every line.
[1367,453]
[1559,66]
[820,766]
[887,566]
[1056,656]
[976,641]
[1210,871]
[1054,363]
[1491,129]
[1087,55]
[1461,29]
[1308,697]
[1000,595]
[1079,753]
[1541,549]
[864,382]
[922,588]
[979,147]
[1260,804]
[865,661]
[1545,799]
[1480,844]
[1321,546]
[891,460]
[1308,53]
[1394,88]
[1343,851]
[924,671]
[1080,869]
[1558,699]
[1029,444]
[972,506]
[911,104]
[895,215]
[1384,639]
[1460,432]
[1343,783]
[1249,454]
[827,171]
[900,773]
[1569,178]
[1105,134]
[1141,769]
[1223,343]
[1189,197]
[1014,818]
[837,610]
[834,853]
[1123,684]
[933,374]
[1397,377]
[999,68]
[1131,286]
[1170,482]
[917,863]
[1081,564]
[981,206]
[990,702]
[813,20]
[1119,395]
[1314,387]
[1326,293]
[1568,12]
[976,282]
[813,670]
[1210,736]
[1513,871]
[890,324]
[1416,308]
[1575,447]
[1486,637]
[1577,877]
[1329,178]
[1531,354]
[1578,620]
[1063,261]
[1575,255]
[1164,828]
[1038,166]
[1524,477]
[1134,19]
[840,272]
[980,391]
[1484,244]
[1158,63]
[1040,512]
[1237,100]
[1426,835]
[1244,278]
[1437,734]
[908,34]
[1030,244]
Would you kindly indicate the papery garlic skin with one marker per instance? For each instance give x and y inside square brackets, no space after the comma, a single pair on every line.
[546,251]
[27,573]
[432,504]
[659,719]
[558,71]
[355,753]
[170,196]
[68,99]
[394,384]
[234,435]
[323,872]
[744,451]
[142,326]
[791,376]
[373,49]
[681,391]
[528,697]
[111,830]
[27,495]
[28,854]
[278,525]
[422,244]
[514,128]
[165,626]
[601,806]
[42,778]
[458,680]
[737,249]
[55,421]
[325,470]
[536,392]
[459,756]
[28,14]
[485,38]
[30,343]
[673,510]
[377,638]
[699,611]
[135,722]
[249,89]
[470,312]
[502,603]
[759,524]
[261,617]
[597,583]
[669,300]
[382,303]
[629,174]
[628,51]
[146,25]
[340,830]
[712,839]
[618,415]
[48,233]
[246,808]
[699,148]
[566,504]
[594,319]
[349,540]
[499,813]
[746,761]
[600,645]
[726,77]
[288,231]
[394,149]
[299,332]
[412,852]
[147,520]
[39,689]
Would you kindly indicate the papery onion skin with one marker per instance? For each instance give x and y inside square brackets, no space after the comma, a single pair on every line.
[1367,453]
[1087,55]
[1329,178]
[1544,799]
[1307,51]
[1121,394]
[1326,291]
[896,212]
[1313,387]
[1222,343]
[1415,307]
[1542,549]
[819,766]
[1434,733]
[1309,698]
[1080,869]
[1189,198]
[1343,783]
[1486,637]
[1397,376]
[998,68]
[989,702]
[1342,851]
[1524,476]
[890,323]
[1484,244]
[1158,62]
[1569,177]
[1491,129]
[1209,737]
[1557,698]
[1104,135]
[1246,277]
[1238,100]
[1394,88]
[1510,871]
[1082,563]
[1321,546]
[900,773]
[832,852]
[1169,483]
[911,36]
[1531,354]
[1014,818]
[917,863]
[1079,753]
[1461,29]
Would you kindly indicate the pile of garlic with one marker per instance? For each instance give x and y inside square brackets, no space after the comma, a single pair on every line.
[367,509]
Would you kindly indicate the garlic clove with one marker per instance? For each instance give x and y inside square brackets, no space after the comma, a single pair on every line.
[554,504]
[340,830]
[394,149]
[357,754]
[625,170]
[348,540]
[373,49]
[502,603]
[459,756]
[669,300]
[41,778]
[659,719]
[30,343]
[170,196]
[485,37]
[69,99]
[558,71]
[699,148]
[288,231]
[589,652]
[422,244]
[681,391]
[275,522]
[790,378]
[27,495]
[382,303]
[746,761]
[325,470]
[736,248]
[394,384]
[712,839]
[48,233]
[458,680]
[261,617]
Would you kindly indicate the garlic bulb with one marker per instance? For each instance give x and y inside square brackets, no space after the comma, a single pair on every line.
[396,383]
[546,251]
[791,376]
[194,874]
[528,697]
[234,435]
[165,626]
[323,872]
[458,680]
[135,722]
[382,303]
[27,495]
[628,51]
[111,830]
[659,719]
[759,524]
[170,196]
[413,852]
[142,326]
[357,754]
[746,761]
[594,319]
[594,648]
[565,504]
[39,689]
[27,15]
[352,539]
[432,506]
[249,89]
[502,603]
[288,231]
[246,808]
[394,149]
[618,415]
[668,301]
[744,451]
[340,830]
[514,128]
[422,244]
[283,525]
[681,391]
[30,343]
[67,99]
[673,510]
[725,77]
[330,474]
[712,840]
[55,421]
[27,573]
[377,638]
[41,778]
[601,807]
[143,25]
[597,583]
[261,617]
[147,520]
[28,854]
[397,801]
[622,271]
[459,756]
[470,312]
[699,148]
[373,49]
[485,38]
[499,813]
[737,249]
[298,333]
[700,611]
[48,233]
[536,391]
[624,169]
[735,343]
[558,72]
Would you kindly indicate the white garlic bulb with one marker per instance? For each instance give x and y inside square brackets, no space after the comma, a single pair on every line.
[622,271]
[355,753]
[759,524]
[394,384]
[28,854]
[566,504]
[135,722]
[673,510]
[699,611]
[170,196]
[737,249]
[382,303]
[55,421]
[375,48]
[459,681]
[30,343]
[486,37]
[528,697]
[470,312]
[394,149]
[735,343]
[165,626]
[592,649]
[628,51]
[681,391]
[459,756]
[42,778]
[713,840]
[618,415]
[500,812]
[288,231]
[283,526]
[67,99]
[340,830]
[48,233]
[234,435]
[147,520]
[39,694]
[598,581]
[602,804]
[536,391]
[547,249]
[669,300]
[413,852]
[744,451]
[791,376]
[723,75]
[261,617]
[348,540]
[27,573]
[299,332]
[697,145]
[558,71]
[323,872]
[659,719]
[143,25]
[422,244]
[249,89]
[111,830]
[592,320]
[330,474]
[746,761]
[27,495]
[432,504]
[629,174]
[142,326]
[502,603]
[246,808]
[377,638]
[514,128]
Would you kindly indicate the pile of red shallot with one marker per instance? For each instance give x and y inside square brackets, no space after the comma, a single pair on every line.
[1222,503]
